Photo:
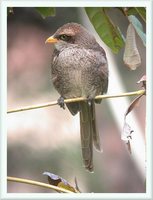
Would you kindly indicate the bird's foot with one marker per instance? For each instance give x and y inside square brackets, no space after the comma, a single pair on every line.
[89,100]
[61,103]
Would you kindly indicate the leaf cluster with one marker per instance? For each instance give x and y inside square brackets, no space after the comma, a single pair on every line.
[109,32]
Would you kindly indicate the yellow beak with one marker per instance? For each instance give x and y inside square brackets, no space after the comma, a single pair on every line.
[51,40]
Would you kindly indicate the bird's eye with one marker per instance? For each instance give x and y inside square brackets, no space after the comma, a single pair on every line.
[65,37]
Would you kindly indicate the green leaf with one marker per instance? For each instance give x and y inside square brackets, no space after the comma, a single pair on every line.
[105,28]
[56,180]
[142,12]
[46,12]
[138,27]
[138,10]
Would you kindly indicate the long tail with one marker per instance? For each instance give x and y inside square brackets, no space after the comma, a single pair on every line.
[89,134]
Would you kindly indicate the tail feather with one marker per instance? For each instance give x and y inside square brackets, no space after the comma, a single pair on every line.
[86,135]
[96,138]
[89,134]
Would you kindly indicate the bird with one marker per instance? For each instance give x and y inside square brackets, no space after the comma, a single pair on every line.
[79,68]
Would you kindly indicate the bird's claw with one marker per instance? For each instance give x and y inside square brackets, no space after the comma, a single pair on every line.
[89,100]
[61,103]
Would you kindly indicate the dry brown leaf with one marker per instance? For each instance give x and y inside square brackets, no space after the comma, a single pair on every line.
[143,81]
[127,130]
[133,104]
[131,56]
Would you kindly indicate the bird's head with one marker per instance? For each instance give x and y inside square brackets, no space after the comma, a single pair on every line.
[71,34]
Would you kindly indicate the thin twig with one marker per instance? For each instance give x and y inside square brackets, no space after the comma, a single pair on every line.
[36,183]
[139,92]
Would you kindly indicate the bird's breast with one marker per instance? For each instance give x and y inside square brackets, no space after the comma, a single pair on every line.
[74,71]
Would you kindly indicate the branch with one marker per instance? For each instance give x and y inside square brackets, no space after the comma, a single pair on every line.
[36,183]
[139,92]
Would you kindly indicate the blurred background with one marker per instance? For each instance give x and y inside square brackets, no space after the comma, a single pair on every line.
[48,139]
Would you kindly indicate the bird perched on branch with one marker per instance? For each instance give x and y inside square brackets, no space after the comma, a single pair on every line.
[79,69]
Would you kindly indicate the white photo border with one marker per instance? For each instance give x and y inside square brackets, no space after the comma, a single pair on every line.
[3,96]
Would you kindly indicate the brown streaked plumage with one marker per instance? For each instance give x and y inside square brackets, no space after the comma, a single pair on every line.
[79,69]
